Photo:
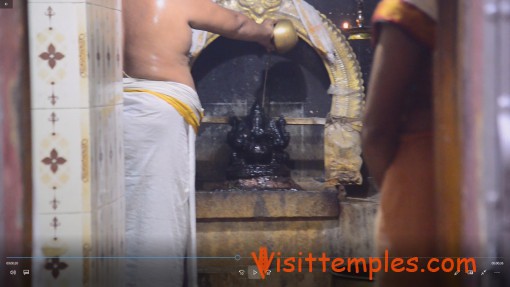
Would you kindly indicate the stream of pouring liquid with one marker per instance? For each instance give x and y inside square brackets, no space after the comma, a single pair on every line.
[265,82]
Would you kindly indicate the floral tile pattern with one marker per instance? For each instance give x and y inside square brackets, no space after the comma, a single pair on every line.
[76,82]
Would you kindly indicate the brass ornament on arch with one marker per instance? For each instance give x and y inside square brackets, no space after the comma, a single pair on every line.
[259,10]
[342,140]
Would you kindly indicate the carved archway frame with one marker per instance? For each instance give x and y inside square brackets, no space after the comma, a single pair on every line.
[342,141]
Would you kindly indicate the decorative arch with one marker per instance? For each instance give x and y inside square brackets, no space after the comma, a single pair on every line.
[342,141]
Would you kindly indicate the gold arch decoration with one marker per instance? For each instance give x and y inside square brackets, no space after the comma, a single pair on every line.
[342,141]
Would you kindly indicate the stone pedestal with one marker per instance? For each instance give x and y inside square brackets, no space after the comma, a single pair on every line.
[233,224]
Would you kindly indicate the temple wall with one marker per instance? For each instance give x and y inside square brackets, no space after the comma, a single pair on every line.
[76,73]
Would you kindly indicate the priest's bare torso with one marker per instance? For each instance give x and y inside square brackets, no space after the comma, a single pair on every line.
[157,35]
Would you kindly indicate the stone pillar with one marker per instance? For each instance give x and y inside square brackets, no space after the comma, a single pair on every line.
[76,74]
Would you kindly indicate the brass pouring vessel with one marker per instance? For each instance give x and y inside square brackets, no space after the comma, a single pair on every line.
[285,36]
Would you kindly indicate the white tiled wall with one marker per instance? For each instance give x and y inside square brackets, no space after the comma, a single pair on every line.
[76,74]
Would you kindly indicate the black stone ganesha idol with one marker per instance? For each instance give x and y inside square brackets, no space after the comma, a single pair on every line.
[258,145]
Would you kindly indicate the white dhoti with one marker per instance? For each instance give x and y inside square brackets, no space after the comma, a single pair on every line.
[160,185]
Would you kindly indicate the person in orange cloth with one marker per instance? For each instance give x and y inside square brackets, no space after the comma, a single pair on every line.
[397,135]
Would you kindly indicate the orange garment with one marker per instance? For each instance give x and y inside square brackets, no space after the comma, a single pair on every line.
[406,223]
[408,17]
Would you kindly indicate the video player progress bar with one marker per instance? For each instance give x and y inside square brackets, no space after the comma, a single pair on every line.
[237,257]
